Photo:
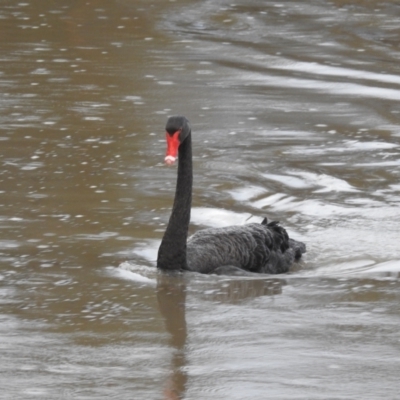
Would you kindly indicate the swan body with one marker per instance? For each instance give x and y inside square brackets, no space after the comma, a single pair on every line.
[255,248]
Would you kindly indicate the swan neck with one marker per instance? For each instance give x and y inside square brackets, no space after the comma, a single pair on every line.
[172,251]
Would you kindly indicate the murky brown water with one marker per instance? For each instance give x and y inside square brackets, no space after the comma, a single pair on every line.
[295,112]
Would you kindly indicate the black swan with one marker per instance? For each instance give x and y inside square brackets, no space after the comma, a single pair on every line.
[257,247]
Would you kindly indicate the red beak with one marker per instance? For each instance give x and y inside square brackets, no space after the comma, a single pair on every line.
[172,147]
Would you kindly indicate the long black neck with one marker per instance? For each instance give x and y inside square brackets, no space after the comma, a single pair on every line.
[172,251]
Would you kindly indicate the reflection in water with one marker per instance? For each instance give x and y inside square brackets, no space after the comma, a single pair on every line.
[234,291]
[171,296]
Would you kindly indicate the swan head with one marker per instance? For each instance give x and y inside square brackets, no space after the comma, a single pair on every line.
[177,130]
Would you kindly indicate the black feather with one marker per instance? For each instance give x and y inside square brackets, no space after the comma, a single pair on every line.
[256,248]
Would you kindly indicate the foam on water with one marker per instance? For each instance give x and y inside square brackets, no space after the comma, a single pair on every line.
[135,273]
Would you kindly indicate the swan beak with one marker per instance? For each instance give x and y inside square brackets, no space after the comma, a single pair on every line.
[169,160]
[173,143]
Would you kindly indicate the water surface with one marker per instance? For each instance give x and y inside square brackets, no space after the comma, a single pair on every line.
[294,109]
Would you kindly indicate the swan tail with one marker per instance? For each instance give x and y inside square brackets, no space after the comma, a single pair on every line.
[299,248]
[283,251]
[282,238]
[264,221]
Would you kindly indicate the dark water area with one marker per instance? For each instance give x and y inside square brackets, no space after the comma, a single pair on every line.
[295,113]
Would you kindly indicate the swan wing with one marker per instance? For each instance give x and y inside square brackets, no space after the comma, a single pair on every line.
[264,248]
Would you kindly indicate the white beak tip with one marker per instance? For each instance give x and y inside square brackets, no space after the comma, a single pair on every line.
[169,160]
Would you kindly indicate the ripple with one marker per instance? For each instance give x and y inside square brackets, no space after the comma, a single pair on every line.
[320,69]
[9,244]
[216,218]
[338,88]
[135,273]
[99,236]
[32,166]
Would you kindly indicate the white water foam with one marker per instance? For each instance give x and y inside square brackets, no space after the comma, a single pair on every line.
[136,273]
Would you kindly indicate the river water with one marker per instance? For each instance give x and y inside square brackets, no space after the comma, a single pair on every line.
[295,113]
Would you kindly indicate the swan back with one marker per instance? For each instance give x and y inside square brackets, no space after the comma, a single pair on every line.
[264,248]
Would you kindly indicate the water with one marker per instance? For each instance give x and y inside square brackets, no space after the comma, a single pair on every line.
[294,109]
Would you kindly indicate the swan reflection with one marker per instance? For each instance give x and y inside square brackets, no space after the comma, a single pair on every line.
[235,291]
[171,297]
